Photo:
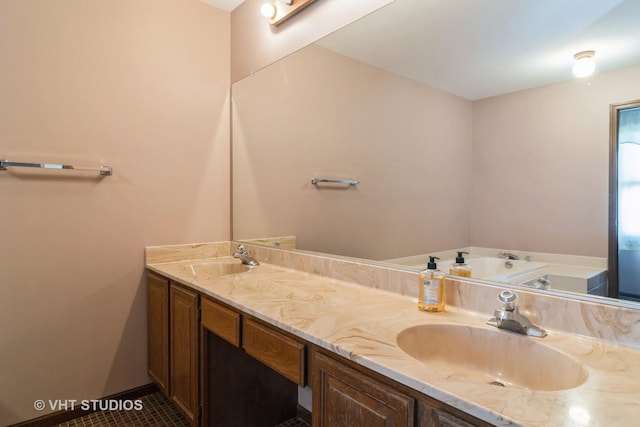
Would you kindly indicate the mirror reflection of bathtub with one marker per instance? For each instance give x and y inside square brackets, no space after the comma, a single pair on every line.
[587,275]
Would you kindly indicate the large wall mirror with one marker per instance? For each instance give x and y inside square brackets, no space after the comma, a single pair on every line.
[464,128]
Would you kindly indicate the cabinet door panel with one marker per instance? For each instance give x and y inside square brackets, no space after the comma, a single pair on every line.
[184,350]
[346,397]
[158,330]
[350,407]
[431,416]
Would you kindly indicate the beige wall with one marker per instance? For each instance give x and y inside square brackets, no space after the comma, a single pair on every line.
[540,165]
[143,86]
[350,120]
[255,43]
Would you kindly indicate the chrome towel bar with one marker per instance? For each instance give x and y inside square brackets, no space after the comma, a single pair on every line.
[352,182]
[6,164]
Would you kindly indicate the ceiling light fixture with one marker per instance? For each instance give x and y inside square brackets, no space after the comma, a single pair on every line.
[584,65]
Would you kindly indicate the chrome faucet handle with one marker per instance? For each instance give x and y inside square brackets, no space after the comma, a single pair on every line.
[507,317]
[542,283]
[508,256]
[245,256]
[509,300]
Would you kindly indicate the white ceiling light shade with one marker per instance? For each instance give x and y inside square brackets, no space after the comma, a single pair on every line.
[278,11]
[584,65]
[268,10]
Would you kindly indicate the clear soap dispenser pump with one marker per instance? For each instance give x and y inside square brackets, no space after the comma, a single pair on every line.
[431,288]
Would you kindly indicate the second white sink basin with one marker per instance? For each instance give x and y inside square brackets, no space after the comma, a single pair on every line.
[490,356]
[220,268]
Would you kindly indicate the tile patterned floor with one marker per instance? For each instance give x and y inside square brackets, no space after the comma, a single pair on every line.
[157,411]
[295,422]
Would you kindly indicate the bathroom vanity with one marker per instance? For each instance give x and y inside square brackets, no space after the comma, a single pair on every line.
[228,341]
[249,370]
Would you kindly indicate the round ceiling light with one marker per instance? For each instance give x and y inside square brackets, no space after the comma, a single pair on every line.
[584,65]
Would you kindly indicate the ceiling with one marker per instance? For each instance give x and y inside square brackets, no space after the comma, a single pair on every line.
[481,48]
[227,5]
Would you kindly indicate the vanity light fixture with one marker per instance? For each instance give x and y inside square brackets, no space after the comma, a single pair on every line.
[584,65]
[278,11]
[268,10]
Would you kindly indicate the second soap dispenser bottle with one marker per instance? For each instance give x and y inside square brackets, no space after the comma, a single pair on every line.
[460,268]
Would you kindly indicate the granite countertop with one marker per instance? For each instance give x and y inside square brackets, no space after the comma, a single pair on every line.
[361,324]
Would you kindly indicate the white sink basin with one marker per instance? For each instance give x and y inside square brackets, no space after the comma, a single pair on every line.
[489,356]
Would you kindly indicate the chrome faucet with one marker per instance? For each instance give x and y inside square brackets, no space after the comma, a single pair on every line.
[508,317]
[245,256]
[508,255]
[542,283]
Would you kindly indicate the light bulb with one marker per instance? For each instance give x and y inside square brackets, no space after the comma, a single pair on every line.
[584,65]
[268,10]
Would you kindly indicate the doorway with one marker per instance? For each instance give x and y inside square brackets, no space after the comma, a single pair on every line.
[624,202]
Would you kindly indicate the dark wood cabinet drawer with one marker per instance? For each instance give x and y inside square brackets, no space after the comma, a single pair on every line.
[276,350]
[220,320]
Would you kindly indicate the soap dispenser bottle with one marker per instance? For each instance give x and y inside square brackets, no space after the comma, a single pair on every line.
[431,288]
[460,268]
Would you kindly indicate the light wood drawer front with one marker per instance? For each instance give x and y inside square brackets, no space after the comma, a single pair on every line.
[279,352]
[220,320]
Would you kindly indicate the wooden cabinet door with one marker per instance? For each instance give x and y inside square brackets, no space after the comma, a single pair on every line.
[158,330]
[346,397]
[432,417]
[184,350]
[433,413]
